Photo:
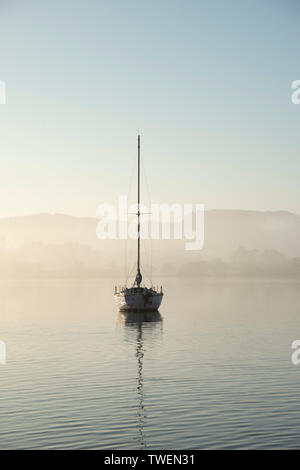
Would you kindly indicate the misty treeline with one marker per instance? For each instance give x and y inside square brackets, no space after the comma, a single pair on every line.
[75,261]
[237,243]
[245,262]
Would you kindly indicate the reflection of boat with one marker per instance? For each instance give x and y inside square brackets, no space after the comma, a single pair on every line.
[138,297]
[140,322]
[140,317]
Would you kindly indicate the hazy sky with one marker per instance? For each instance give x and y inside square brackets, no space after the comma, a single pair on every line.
[207,82]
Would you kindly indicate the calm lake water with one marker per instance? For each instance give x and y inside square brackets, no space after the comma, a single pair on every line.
[212,371]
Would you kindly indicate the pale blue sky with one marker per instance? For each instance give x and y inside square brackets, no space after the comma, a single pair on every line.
[208,83]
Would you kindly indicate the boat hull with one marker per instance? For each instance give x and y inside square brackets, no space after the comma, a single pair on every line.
[138,302]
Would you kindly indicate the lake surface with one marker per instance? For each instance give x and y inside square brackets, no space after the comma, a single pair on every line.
[213,370]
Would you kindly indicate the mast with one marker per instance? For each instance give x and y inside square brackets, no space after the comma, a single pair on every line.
[138,278]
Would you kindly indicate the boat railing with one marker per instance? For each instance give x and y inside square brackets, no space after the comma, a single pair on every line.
[133,290]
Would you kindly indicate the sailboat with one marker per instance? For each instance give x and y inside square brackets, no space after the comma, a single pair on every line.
[138,297]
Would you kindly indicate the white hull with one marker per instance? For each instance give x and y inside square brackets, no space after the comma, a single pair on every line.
[138,301]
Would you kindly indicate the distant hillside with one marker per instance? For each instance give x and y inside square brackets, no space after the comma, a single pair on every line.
[225,231]
[236,242]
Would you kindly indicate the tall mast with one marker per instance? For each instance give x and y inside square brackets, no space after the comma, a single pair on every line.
[138,278]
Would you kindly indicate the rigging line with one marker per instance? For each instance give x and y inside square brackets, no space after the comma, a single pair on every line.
[146,275]
[146,272]
[128,197]
[131,175]
[146,180]
[149,197]
[130,272]
[147,261]
[125,258]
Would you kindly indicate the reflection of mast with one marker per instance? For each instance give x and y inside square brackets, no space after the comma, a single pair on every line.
[141,415]
[137,323]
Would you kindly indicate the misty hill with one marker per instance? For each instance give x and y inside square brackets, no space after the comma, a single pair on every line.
[236,242]
[226,231]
